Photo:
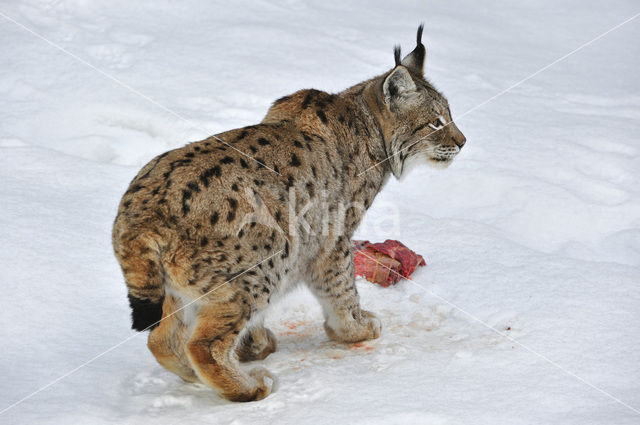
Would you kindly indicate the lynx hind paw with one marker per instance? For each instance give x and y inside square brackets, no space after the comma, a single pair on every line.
[256,345]
[266,382]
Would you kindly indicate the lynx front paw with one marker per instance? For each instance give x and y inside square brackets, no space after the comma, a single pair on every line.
[363,327]
[374,324]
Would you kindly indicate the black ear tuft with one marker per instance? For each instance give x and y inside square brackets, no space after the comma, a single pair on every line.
[397,54]
[415,59]
[419,37]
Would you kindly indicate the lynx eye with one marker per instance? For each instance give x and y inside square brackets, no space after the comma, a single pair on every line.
[438,124]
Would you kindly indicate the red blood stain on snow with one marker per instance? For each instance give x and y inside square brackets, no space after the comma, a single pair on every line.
[293,326]
[361,346]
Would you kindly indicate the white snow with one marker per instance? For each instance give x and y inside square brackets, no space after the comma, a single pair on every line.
[528,309]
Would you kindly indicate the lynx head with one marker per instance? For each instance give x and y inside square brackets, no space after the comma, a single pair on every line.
[418,119]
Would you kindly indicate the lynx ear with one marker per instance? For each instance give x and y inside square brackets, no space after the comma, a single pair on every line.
[398,87]
[415,60]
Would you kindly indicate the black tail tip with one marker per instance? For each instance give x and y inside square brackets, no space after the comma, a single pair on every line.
[145,314]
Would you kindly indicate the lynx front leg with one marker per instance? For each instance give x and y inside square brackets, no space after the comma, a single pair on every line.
[334,286]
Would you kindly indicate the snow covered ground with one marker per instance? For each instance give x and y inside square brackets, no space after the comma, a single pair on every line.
[528,311]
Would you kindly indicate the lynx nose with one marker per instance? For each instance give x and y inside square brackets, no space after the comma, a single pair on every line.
[458,137]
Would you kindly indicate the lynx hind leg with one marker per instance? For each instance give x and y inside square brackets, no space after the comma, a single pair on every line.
[256,344]
[211,350]
[167,342]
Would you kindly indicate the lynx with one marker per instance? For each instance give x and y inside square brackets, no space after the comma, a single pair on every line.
[210,234]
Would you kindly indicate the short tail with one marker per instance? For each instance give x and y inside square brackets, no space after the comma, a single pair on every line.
[139,258]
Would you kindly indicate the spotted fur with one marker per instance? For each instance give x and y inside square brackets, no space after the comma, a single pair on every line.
[210,234]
